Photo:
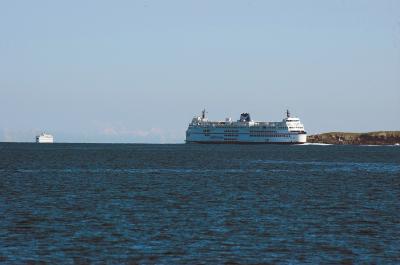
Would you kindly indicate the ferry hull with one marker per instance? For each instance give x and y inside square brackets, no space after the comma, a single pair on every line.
[46,139]
[237,142]
[247,139]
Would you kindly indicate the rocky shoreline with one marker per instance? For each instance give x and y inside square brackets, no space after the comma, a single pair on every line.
[370,138]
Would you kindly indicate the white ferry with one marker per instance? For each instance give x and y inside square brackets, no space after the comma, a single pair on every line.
[246,131]
[44,138]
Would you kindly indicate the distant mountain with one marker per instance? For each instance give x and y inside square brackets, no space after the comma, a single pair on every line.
[369,138]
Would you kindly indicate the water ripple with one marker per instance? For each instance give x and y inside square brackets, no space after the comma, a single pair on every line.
[190,204]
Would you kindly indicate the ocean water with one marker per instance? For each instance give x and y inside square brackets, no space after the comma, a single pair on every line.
[199,204]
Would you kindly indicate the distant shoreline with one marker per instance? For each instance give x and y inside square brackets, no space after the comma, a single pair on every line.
[334,138]
[345,138]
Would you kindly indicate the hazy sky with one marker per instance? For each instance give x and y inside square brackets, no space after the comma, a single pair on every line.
[138,71]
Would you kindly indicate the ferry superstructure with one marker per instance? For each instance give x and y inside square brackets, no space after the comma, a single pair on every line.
[246,131]
[44,138]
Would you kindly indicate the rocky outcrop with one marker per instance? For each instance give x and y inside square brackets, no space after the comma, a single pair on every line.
[370,138]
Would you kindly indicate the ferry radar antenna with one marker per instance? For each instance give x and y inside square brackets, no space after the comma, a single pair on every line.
[203,113]
[287,113]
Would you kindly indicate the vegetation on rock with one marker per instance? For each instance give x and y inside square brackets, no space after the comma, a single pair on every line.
[370,138]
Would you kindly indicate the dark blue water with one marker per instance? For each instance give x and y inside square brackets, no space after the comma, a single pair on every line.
[199,204]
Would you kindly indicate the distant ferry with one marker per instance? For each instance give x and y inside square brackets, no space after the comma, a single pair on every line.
[246,131]
[44,138]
